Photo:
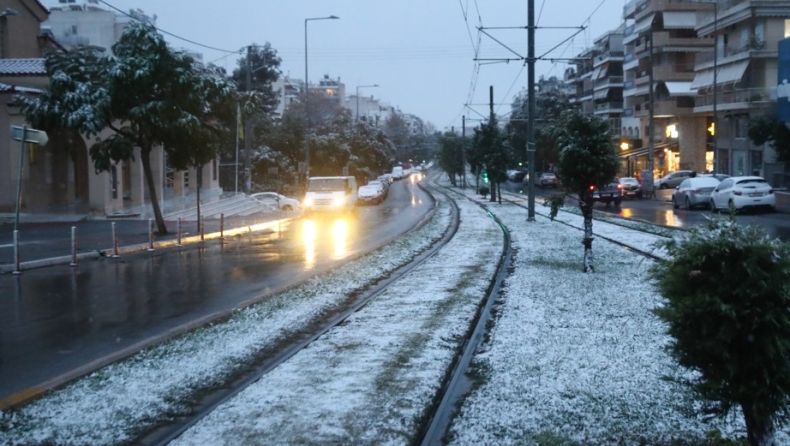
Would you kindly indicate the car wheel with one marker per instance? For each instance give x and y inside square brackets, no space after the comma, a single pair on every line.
[674,203]
[288,207]
[664,186]
[688,203]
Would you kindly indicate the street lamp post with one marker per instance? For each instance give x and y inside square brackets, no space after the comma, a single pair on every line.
[715,80]
[307,98]
[358,87]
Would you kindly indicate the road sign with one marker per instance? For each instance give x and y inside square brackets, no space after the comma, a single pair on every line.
[31,135]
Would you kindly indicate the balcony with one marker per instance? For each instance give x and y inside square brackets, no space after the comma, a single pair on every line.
[663,39]
[661,73]
[609,107]
[667,107]
[736,99]
[607,56]
[731,53]
[609,82]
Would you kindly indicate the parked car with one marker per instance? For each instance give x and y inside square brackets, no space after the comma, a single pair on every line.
[693,192]
[276,200]
[370,194]
[672,179]
[385,187]
[743,192]
[611,193]
[517,176]
[630,187]
[547,179]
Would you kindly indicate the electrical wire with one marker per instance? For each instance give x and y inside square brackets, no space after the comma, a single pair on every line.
[166,32]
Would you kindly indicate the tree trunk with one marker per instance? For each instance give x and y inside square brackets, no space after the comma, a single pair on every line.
[759,432]
[145,158]
[585,204]
[499,192]
[493,192]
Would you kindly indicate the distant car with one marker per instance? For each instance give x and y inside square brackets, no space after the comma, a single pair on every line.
[672,179]
[370,194]
[609,194]
[718,176]
[693,192]
[518,176]
[547,179]
[742,193]
[630,187]
[276,200]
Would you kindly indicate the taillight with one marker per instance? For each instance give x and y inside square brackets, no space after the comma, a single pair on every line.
[619,186]
[737,192]
[592,187]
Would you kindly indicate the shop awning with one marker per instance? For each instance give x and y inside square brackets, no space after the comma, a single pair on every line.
[680,89]
[635,152]
[680,20]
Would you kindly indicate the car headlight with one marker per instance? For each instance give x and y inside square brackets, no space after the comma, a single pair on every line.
[338,201]
[308,202]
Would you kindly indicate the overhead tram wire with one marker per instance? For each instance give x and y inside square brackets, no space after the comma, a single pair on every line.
[168,33]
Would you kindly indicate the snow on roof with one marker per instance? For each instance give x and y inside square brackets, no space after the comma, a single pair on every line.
[6,88]
[22,67]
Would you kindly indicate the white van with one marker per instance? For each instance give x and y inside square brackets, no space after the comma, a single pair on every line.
[397,172]
[330,194]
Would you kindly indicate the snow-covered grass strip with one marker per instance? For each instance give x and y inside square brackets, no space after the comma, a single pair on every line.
[370,380]
[116,403]
[578,358]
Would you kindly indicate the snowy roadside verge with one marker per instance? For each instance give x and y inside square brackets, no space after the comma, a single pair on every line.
[114,404]
[575,358]
[371,380]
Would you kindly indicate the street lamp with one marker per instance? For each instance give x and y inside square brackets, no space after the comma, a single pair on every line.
[306,99]
[358,87]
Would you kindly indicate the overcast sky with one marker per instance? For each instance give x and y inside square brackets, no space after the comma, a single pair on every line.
[420,52]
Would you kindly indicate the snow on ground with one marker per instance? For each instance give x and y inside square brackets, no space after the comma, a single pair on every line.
[577,356]
[370,380]
[109,406]
[571,357]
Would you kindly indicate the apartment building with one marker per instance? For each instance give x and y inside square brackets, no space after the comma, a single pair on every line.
[746,34]
[86,22]
[660,43]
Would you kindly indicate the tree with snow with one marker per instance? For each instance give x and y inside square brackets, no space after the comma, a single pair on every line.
[144,94]
[727,291]
[587,160]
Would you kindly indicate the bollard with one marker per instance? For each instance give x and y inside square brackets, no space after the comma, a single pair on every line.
[179,232]
[221,227]
[115,251]
[150,234]
[17,270]
[202,230]
[74,246]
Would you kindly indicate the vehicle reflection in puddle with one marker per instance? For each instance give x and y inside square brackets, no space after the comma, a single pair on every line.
[668,218]
[325,239]
[340,236]
[309,234]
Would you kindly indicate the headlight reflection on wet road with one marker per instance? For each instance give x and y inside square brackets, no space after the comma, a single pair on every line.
[330,238]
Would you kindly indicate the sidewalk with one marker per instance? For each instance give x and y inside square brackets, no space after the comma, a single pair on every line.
[45,239]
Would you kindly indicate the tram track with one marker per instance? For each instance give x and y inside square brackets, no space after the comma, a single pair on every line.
[165,434]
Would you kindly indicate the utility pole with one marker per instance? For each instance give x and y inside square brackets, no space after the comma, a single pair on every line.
[715,81]
[247,133]
[531,110]
[463,152]
[651,123]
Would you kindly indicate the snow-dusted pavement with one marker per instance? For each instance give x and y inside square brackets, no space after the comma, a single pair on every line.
[571,356]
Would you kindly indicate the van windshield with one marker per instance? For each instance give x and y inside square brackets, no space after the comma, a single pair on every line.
[328,185]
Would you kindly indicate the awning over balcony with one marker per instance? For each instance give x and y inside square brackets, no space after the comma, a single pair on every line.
[680,20]
[643,89]
[596,73]
[732,73]
[639,27]
[680,89]
[601,94]
[604,69]
[728,74]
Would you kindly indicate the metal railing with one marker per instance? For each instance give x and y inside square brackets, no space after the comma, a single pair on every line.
[744,95]
[729,50]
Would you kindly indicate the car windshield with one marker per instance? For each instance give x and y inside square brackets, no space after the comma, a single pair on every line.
[327,184]
[629,180]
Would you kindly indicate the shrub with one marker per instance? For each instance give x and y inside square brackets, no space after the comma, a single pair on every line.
[727,291]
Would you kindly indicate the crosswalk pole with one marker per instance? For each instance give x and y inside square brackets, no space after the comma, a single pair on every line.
[115,250]
[74,246]
[17,270]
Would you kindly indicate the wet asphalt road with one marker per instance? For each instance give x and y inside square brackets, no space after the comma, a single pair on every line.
[55,320]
